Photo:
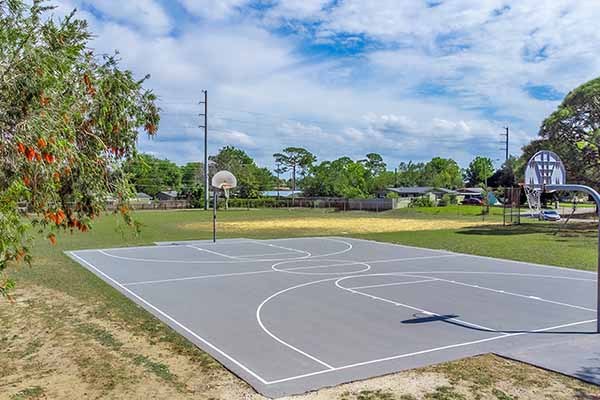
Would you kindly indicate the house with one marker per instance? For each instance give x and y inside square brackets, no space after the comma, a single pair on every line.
[282,193]
[417,191]
[142,198]
[168,195]
[469,193]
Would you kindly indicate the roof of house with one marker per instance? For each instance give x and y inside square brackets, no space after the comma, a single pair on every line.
[475,190]
[420,190]
[142,195]
[171,193]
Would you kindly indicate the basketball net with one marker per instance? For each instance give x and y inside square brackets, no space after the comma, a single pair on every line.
[226,188]
[534,199]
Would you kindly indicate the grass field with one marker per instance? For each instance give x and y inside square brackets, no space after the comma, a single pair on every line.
[69,333]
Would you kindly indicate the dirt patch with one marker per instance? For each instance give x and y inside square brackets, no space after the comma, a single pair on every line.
[56,347]
[336,225]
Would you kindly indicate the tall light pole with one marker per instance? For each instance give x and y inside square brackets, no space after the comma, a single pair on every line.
[205,126]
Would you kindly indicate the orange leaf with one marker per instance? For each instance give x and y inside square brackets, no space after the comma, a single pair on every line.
[49,158]
[21,148]
[30,154]
[26,180]
[42,143]
[52,239]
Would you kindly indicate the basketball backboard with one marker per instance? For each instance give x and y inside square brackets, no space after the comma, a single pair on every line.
[543,169]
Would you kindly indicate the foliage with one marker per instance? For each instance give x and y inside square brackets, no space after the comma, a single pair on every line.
[374,164]
[575,128]
[384,180]
[442,173]
[423,201]
[392,195]
[410,174]
[192,174]
[251,179]
[339,178]
[151,175]
[506,176]
[68,120]
[294,159]
[479,171]
[448,199]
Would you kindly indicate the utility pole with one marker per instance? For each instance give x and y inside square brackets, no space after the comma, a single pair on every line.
[506,142]
[278,170]
[205,126]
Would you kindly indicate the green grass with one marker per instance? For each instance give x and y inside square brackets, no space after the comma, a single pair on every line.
[575,247]
[30,393]
[451,211]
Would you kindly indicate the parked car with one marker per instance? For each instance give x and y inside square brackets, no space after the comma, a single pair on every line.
[473,201]
[550,215]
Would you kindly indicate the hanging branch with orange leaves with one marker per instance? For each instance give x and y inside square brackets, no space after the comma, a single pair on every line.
[68,122]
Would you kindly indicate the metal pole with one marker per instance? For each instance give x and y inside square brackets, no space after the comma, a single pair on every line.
[507,143]
[206,150]
[214,216]
[596,197]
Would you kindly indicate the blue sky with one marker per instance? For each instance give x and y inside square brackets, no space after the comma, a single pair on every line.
[409,79]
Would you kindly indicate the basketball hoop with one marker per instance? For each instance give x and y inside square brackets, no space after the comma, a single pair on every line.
[543,169]
[225,181]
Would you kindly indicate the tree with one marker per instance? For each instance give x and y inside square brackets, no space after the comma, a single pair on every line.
[410,174]
[294,158]
[442,173]
[151,175]
[68,120]
[251,179]
[374,163]
[479,171]
[192,174]
[506,176]
[339,178]
[573,132]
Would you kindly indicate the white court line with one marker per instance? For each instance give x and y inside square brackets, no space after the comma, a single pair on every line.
[198,277]
[516,294]
[392,284]
[353,262]
[164,314]
[471,255]
[426,351]
[485,328]
[211,252]
[417,274]
[262,255]
[234,261]
[268,332]
[280,247]
[188,278]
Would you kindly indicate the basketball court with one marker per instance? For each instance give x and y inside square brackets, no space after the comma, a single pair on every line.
[294,315]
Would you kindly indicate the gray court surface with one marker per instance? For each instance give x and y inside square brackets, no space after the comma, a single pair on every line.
[293,315]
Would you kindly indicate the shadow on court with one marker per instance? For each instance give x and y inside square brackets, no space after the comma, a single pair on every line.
[451,320]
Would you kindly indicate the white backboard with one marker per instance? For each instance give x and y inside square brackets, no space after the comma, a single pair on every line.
[545,168]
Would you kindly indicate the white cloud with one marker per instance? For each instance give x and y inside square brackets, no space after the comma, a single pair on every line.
[213,9]
[435,81]
[144,14]
[233,138]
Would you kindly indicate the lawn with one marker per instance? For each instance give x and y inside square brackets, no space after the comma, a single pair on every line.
[79,334]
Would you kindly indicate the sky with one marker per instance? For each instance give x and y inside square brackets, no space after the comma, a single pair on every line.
[409,79]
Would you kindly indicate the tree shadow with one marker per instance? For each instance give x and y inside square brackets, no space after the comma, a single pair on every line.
[572,230]
[451,320]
